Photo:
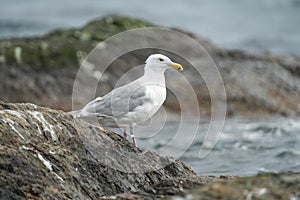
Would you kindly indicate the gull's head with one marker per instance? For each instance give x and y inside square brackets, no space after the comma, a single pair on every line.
[161,62]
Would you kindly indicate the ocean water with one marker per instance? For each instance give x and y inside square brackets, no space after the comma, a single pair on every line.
[245,147]
[257,26]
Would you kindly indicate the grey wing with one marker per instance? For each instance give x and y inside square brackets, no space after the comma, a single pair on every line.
[118,102]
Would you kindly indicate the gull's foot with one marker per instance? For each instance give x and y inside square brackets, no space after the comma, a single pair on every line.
[147,152]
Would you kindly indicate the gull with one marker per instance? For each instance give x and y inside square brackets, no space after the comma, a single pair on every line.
[135,102]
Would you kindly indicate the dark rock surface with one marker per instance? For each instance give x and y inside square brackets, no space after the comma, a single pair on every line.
[46,154]
[42,70]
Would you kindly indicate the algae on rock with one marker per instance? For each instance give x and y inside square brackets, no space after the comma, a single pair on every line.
[60,48]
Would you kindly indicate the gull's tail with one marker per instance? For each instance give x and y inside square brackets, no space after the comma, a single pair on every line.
[81,114]
[94,118]
[75,113]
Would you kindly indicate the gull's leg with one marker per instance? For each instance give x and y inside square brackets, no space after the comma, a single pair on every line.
[132,136]
[125,134]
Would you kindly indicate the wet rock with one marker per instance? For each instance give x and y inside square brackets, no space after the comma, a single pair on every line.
[42,70]
[47,154]
[263,186]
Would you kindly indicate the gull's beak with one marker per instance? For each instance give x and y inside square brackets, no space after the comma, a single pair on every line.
[176,66]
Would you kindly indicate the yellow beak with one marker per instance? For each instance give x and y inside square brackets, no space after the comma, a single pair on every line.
[175,66]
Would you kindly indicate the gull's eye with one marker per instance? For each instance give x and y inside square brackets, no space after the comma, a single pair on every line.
[161,60]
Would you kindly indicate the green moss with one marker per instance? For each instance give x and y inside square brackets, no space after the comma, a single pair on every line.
[9,55]
[111,25]
[59,48]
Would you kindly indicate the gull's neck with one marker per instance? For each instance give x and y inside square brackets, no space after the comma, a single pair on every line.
[155,74]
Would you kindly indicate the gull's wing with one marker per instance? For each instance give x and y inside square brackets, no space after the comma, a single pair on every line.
[117,103]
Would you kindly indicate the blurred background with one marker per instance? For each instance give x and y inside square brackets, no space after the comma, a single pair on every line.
[256,26]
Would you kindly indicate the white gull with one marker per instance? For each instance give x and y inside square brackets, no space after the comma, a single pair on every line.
[134,102]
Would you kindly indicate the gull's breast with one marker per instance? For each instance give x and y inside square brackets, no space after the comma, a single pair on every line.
[157,95]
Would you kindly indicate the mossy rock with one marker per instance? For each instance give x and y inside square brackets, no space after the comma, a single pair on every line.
[102,29]
[60,48]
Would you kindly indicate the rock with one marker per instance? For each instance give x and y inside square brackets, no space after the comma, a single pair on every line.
[42,70]
[47,154]
[262,186]
[61,48]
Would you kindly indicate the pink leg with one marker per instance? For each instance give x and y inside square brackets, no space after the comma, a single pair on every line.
[125,134]
[132,136]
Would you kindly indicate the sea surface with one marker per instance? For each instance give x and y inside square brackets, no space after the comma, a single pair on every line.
[245,147]
[255,25]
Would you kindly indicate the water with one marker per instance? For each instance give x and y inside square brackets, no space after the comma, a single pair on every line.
[256,26]
[246,147]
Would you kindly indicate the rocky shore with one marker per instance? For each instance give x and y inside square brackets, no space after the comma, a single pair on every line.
[42,70]
[48,154]
[263,186]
